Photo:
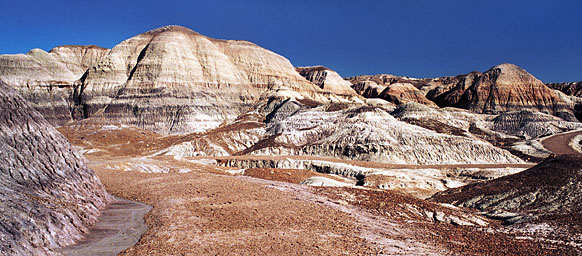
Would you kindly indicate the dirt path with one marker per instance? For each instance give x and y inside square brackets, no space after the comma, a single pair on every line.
[559,143]
[119,227]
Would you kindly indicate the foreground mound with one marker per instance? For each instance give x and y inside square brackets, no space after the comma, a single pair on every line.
[550,190]
[48,196]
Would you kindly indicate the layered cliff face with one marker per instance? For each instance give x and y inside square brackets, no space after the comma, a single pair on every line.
[168,80]
[398,90]
[47,80]
[371,134]
[326,79]
[572,89]
[48,196]
[175,80]
[502,88]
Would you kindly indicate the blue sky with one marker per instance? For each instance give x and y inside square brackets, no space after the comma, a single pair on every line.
[418,38]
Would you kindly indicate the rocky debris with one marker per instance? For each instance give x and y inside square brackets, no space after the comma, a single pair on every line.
[502,88]
[294,176]
[425,182]
[456,229]
[200,213]
[326,79]
[203,213]
[48,196]
[421,181]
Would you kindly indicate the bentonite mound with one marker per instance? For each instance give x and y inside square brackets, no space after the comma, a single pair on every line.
[551,190]
[502,88]
[47,80]
[390,89]
[572,89]
[169,80]
[48,196]
[326,79]
[531,124]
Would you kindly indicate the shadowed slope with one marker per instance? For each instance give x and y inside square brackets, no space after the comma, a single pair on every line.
[48,196]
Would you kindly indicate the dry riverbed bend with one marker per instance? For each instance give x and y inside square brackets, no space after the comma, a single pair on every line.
[174,143]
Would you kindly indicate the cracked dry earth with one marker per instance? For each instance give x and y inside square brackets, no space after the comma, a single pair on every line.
[205,213]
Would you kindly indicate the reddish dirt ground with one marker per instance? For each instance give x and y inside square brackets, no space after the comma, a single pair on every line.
[203,213]
[209,212]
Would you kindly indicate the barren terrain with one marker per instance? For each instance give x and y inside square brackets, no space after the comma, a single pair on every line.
[233,151]
[203,213]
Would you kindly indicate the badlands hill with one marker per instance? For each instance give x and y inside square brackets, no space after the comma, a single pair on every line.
[48,196]
[550,189]
[543,200]
[229,97]
[182,122]
[572,89]
[47,80]
[502,88]
[169,80]
[326,79]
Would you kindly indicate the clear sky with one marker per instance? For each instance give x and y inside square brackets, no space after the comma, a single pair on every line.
[418,38]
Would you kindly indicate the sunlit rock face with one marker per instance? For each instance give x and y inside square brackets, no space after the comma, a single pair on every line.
[48,196]
[371,134]
[48,80]
[502,88]
[169,80]
[326,79]
[572,89]
[174,80]
[398,90]
[505,87]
